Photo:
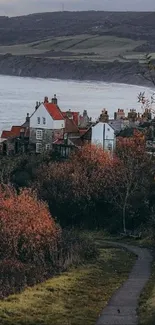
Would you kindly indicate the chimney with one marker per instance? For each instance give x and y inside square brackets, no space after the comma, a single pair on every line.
[69,114]
[85,112]
[132,115]
[45,99]
[120,114]
[104,117]
[54,100]
[27,118]
[37,105]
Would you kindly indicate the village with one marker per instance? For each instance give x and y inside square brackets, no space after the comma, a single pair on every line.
[51,129]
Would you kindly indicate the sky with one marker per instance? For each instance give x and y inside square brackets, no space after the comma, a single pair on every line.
[20,7]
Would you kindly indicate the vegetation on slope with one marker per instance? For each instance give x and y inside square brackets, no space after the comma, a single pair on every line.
[75,298]
[91,190]
[25,29]
[32,246]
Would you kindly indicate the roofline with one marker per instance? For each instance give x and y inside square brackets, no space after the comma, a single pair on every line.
[58,109]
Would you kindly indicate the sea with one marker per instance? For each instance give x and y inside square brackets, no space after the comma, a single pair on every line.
[18,96]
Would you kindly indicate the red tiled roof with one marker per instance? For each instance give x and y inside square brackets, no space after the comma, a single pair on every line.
[5,134]
[70,126]
[14,132]
[54,111]
[75,116]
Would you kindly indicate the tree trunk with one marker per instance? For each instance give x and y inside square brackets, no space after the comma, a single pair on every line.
[124,218]
[124,210]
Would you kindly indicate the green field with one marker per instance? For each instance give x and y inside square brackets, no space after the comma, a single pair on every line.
[87,47]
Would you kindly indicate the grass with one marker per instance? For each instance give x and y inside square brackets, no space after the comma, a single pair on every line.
[74,298]
[101,48]
[147,302]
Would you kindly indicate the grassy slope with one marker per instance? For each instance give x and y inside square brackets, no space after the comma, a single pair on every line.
[75,298]
[102,48]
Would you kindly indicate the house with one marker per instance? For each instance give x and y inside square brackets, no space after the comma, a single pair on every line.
[47,124]
[101,134]
[16,140]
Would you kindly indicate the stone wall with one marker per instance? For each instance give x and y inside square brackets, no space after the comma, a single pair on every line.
[48,137]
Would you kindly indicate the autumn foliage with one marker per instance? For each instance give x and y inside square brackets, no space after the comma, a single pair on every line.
[26,226]
[32,246]
[28,237]
[96,189]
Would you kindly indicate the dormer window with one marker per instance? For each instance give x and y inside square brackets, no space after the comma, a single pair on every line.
[38,119]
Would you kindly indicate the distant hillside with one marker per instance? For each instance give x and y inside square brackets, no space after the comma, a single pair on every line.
[94,45]
[25,29]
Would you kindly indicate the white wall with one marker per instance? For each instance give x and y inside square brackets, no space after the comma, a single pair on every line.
[41,112]
[50,123]
[103,134]
[60,124]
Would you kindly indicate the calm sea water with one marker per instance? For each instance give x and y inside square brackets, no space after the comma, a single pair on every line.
[19,95]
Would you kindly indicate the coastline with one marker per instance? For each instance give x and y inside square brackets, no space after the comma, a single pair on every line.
[77,70]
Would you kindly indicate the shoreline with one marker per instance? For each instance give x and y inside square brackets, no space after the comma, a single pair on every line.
[86,71]
[79,81]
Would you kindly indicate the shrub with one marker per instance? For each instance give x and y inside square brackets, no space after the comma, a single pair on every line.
[32,246]
[27,229]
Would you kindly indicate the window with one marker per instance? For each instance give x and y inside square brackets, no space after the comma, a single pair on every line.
[44,120]
[38,119]
[110,146]
[39,134]
[48,146]
[38,147]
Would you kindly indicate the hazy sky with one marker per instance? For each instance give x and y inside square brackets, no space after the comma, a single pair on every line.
[16,7]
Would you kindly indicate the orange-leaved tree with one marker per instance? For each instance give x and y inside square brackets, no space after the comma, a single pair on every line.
[27,231]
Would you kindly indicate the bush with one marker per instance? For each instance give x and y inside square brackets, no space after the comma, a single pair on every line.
[32,246]
[78,247]
[27,230]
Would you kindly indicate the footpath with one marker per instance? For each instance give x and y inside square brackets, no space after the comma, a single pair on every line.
[122,307]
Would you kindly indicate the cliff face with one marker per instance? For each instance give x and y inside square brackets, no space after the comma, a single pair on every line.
[24,66]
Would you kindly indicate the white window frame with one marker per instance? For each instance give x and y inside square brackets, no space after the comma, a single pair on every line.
[38,120]
[48,146]
[39,134]
[38,147]
[44,120]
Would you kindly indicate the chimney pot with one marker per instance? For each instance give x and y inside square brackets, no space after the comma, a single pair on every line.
[45,99]
[54,100]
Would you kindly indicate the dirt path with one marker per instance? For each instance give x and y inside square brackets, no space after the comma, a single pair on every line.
[122,307]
